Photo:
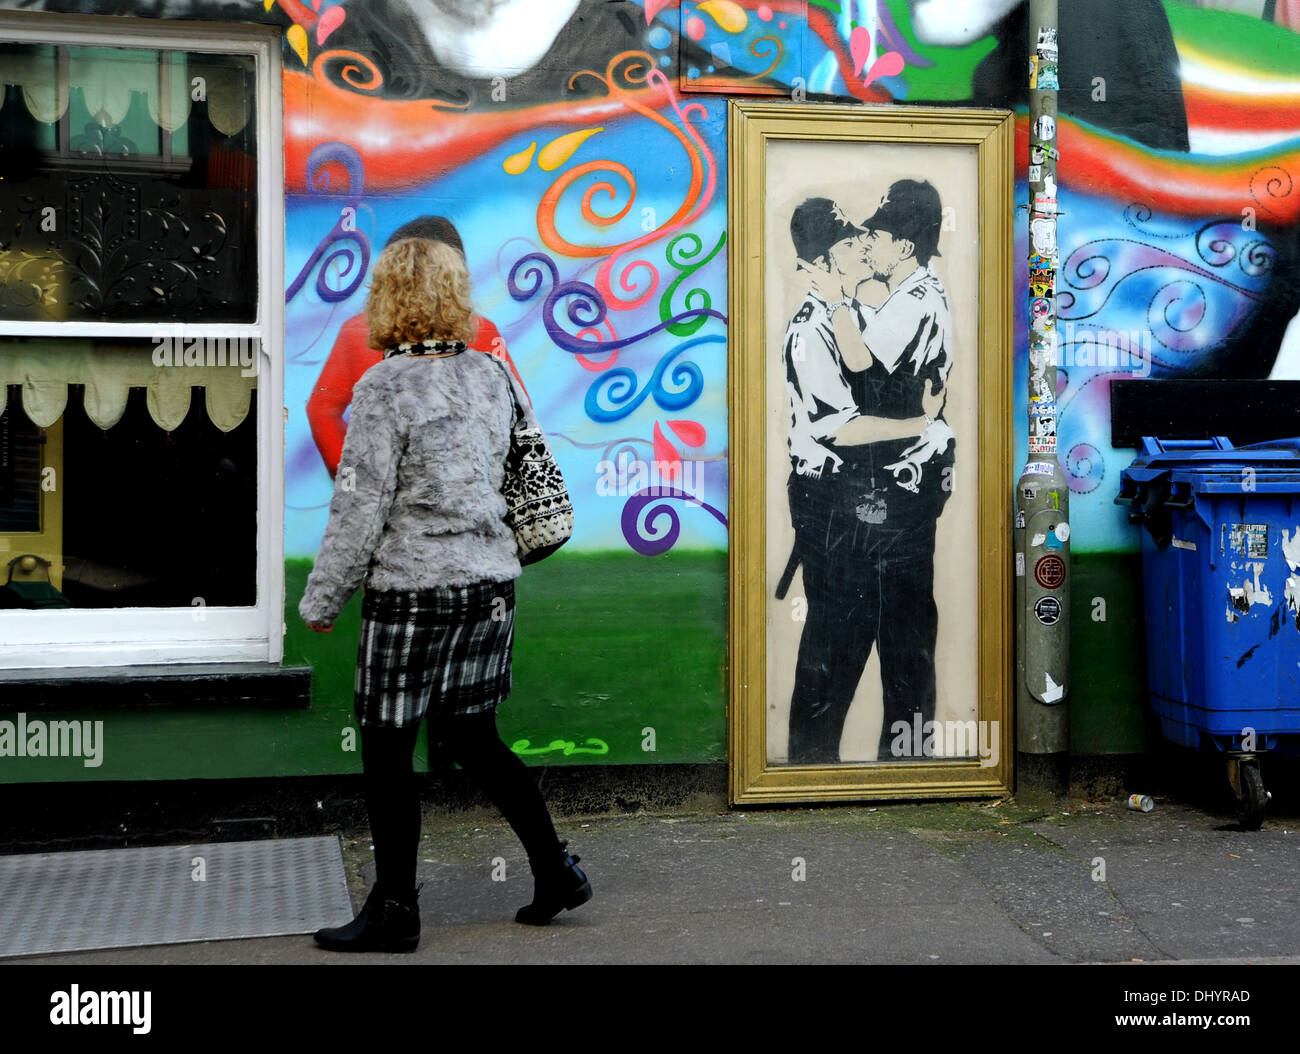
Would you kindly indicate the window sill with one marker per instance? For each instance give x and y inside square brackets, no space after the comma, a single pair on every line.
[180,687]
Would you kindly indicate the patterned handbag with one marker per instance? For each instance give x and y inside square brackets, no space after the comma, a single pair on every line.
[538,508]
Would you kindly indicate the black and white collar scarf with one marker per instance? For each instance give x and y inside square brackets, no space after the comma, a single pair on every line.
[427,347]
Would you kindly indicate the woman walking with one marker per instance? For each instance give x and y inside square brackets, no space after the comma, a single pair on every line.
[417,513]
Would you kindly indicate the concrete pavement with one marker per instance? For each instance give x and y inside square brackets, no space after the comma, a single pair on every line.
[1004,882]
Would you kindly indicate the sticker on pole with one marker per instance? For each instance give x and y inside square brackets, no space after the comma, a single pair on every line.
[1048,610]
[1047,49]
[1049,572]
[1052,692]
[1039,468]
[1042,235]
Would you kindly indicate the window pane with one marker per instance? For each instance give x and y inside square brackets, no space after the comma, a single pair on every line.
[133,514]
[20,469]
[128,185]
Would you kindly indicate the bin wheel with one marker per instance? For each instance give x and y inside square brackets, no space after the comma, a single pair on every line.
[1251,797]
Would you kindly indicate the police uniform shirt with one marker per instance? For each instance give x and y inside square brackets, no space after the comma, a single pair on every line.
[821,400]
[910,335]
[910,340]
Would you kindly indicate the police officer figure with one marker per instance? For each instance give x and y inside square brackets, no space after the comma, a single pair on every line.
[866,386]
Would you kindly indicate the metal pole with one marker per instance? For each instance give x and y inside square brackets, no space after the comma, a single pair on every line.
[1042,493]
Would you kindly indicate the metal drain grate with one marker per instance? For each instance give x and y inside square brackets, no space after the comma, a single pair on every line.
[121,898]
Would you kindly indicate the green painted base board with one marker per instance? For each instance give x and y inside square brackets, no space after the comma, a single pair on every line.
[1108,658]
[607,647]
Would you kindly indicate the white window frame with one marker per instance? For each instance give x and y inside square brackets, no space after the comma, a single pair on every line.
[145,636]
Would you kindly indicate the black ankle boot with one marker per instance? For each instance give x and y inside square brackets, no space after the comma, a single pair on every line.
[384,924]
[558,885]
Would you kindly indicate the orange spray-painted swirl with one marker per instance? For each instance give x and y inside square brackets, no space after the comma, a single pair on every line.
[637,68]
[357,72]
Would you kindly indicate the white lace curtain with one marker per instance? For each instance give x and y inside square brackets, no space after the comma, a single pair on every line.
[108,77]
[109,373]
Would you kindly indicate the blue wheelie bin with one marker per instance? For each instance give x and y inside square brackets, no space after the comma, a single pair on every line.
[1221,570]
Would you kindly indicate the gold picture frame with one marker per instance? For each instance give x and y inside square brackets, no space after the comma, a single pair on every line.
[797,171]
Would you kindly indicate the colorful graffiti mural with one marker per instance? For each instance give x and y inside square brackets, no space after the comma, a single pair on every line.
[579,148]
[605,280]
[1169,140]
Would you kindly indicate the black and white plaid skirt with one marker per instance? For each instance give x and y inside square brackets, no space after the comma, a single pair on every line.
[447,648]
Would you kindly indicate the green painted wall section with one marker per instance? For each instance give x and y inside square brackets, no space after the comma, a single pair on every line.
[592,662]
[606,645]
[1108,659]
[945,73]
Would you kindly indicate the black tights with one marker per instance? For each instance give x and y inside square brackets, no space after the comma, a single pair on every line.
[394,805]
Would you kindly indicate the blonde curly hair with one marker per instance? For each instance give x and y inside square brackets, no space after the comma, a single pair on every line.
[419,290]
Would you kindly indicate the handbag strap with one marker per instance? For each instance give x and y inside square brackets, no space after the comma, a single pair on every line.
[520,414]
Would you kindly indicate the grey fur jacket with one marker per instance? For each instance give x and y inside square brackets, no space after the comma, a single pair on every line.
[417,500]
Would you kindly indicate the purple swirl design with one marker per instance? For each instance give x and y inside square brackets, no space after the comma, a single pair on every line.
[349,249]
[625,448]
[1142,218]
[1218,244]
[647,537]
[1189,304]
[1098,268]
[609,447]
[1175,313]
[585,307]
[1085,468]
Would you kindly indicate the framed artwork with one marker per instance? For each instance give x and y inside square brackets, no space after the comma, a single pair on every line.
[870,367]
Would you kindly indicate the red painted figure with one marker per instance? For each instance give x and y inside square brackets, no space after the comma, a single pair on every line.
[352,354]
[350,357]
